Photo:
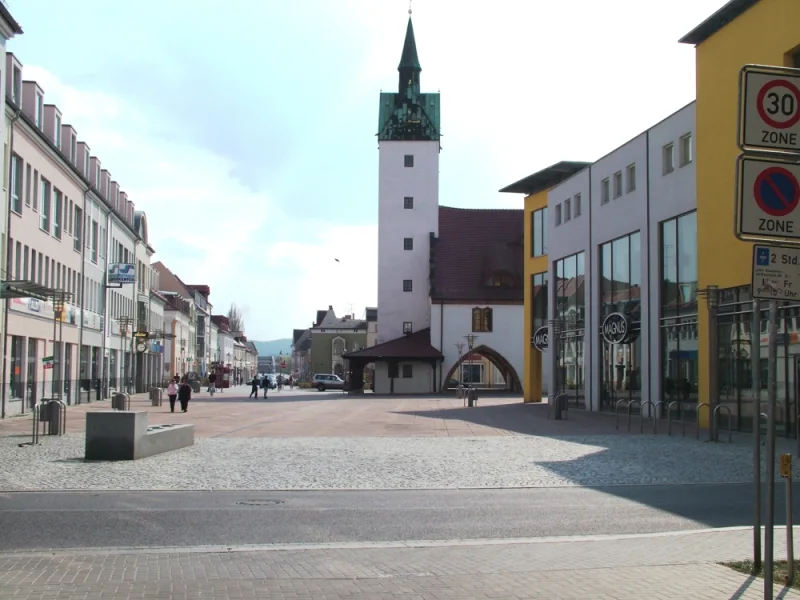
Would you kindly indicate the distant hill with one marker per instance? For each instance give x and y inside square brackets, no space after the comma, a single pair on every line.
[274,347]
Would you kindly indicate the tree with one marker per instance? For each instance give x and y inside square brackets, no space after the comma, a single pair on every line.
[235,318]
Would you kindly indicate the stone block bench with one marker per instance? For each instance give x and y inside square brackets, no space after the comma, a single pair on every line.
[124,435]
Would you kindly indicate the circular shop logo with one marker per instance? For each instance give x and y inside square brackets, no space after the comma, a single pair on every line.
[616,329]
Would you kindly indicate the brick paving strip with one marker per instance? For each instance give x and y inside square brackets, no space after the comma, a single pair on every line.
[680,565]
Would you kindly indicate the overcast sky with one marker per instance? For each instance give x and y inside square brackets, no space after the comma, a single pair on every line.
[246,128]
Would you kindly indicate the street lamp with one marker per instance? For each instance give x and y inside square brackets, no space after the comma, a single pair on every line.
[470,344]
[59,298]
[460,386]
[124,326]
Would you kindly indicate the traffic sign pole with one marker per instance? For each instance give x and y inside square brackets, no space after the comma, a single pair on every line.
[766,210]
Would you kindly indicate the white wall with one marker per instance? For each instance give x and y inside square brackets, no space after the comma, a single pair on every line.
[395,223]
[451,322]
[420,383]
[657,197]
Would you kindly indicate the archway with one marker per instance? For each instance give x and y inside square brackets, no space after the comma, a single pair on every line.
[509,373]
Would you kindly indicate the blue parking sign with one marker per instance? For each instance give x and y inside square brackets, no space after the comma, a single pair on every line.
[762,257]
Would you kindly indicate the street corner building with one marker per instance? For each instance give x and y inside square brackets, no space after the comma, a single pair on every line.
[450,280]
[637,289]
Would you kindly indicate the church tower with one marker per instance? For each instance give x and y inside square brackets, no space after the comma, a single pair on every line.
[408,198]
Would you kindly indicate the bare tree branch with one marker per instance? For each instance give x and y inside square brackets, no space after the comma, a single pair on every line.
[235,318]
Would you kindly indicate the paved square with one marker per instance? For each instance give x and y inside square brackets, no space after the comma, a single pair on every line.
[307,440]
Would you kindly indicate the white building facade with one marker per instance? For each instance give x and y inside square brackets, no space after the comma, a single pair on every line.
[612,241]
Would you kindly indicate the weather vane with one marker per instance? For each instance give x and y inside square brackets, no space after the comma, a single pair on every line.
[409,7]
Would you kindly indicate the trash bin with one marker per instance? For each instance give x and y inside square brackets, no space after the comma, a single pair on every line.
[155,396]
[557,408]
[472,397]
[56,418]
[195,384]
[44,410]
[119,401]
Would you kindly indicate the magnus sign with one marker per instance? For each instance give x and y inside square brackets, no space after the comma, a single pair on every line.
[617,329]
[540,339]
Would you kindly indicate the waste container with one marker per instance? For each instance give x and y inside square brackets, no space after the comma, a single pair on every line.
[120,401]
[44,410]
[57,415]
[472,397]
[195,384]
[557,407]
[156,396]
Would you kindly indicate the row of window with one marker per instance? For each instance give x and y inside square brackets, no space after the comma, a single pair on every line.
[572,207]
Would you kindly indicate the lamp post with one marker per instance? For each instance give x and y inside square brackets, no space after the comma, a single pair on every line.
[124,325]
[470,344]
[183,357]
[59,298]
[460,386]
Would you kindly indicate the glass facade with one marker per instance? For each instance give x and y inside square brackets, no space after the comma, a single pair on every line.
[539,232]
[570,315]
[678,319]
[539,291]
[620,292]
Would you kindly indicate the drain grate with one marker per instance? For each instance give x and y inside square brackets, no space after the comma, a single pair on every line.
[260,502]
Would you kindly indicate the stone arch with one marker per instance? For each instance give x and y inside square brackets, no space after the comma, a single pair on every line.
[498,360]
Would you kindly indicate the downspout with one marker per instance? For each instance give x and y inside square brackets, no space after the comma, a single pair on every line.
[8,270]
[649,278]
[83,295]
[441,344]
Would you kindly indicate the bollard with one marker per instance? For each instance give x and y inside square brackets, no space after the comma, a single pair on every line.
[155,396]
[786,473]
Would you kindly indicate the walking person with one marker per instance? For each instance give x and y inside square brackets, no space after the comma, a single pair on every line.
[184,394]
[172,394]
[291,382]
[254,389]
[265,384]
[212,381]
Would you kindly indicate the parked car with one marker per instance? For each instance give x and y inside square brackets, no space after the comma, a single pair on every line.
[327,381]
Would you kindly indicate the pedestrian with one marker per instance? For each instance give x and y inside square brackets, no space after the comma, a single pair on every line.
[184,394]
[265,385]
[172,394]
[291,382]
[254,389]
[212,381]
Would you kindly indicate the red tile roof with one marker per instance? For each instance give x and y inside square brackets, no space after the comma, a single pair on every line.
[473,246]
[414,346]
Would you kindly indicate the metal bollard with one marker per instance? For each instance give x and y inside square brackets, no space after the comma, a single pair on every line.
[155,396]
[786,473]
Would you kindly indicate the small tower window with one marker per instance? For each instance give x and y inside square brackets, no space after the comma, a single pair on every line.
[408,203]
[407,327]
[408,243]
[407,286]
[408,160]
[503,280]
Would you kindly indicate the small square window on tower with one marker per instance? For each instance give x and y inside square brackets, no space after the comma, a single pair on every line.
[408,371]
[407,327]
[408,243]
[407,287]
[408,202]
[408,160]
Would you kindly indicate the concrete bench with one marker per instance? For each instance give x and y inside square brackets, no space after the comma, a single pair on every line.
[124,435]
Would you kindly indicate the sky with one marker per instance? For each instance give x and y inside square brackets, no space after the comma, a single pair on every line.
[247,134]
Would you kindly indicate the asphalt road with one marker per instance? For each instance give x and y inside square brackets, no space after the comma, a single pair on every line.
[112,519]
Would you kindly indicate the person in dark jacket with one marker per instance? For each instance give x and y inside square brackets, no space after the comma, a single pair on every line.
[254,389]
[184,394]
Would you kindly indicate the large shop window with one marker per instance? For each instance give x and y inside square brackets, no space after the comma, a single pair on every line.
[539,303]
[678,325]
[17,360]
[620,293]
[539,232]
[570,314]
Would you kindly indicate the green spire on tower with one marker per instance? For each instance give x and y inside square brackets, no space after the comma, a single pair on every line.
[409,59]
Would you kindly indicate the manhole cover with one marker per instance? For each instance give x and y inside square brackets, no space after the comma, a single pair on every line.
[260,502]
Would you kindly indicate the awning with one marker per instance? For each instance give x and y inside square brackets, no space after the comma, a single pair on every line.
[25,289]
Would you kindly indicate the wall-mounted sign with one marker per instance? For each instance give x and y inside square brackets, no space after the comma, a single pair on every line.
[540,339]
[121,273]
[617,329]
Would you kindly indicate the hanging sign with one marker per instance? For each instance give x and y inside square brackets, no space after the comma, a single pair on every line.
[540,339]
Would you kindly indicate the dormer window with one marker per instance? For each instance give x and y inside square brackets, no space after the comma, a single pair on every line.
[73,148]
[57,132]
[501,280]
[86,164]
[482,319]
[39,114]
[16,86]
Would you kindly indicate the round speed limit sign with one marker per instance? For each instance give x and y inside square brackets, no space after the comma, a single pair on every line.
[778,104]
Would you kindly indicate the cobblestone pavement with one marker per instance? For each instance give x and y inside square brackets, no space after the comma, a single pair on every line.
[380,463]
[309,413]
[661,567]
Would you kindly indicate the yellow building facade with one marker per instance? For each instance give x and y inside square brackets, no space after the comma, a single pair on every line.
[741,32]
[537,291]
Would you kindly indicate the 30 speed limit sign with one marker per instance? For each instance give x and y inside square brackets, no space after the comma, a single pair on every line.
[770,109]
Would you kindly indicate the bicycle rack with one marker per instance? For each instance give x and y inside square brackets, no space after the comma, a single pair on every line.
[630,405]
[650,406]
[655,415]
[616,410]
[669,417]
[710,420]
[716,422]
